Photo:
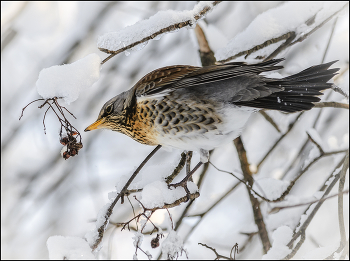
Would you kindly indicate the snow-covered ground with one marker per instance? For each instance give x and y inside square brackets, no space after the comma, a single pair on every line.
[43,195]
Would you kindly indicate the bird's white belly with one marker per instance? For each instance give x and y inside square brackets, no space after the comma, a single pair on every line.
[233,120]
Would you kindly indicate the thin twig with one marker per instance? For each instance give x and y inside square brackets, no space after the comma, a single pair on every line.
[109,212]
[340,194]
[291,125]
[329,40]
[314,142]
[177,170]
[218,256]
[270,120]
[310,216]
[28,105]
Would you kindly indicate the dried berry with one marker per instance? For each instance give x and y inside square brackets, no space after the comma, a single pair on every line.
[73,152]
[66,155]
[64,141]
[155,242]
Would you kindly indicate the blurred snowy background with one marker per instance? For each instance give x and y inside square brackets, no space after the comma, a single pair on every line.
[43,195]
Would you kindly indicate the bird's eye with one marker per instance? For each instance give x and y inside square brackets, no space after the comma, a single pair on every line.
[109,109]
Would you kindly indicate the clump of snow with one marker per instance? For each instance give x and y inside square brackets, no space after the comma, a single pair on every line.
[271,188]
[70,248]
[69,80]
[277,22]
[137,239]
[322,252]
[314,153]
[116,40]
[92,235]
[318,194]
[157,193]
[281,237]
[172,246]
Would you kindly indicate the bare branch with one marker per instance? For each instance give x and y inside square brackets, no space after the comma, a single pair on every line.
[314,142]
[340,194]
[218,256]
[270,120]
[258,217]
[340,202]
[177,170]
[332,105]
[109,212]
[302,228]
[291,125]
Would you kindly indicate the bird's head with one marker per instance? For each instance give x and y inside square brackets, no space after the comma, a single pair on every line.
[113,113]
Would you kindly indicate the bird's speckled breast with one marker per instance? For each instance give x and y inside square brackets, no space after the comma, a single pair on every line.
[161,119]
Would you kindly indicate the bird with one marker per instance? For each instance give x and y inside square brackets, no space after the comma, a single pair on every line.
[200,108]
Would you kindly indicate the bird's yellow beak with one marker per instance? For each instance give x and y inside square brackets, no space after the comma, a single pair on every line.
[96,125]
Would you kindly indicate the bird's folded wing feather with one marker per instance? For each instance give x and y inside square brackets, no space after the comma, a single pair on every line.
[246,84]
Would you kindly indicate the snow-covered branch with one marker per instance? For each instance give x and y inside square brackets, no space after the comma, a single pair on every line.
[137,36]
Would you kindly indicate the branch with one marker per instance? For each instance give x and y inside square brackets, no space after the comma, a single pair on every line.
[167,29]
[218,256]
[177,170]
[340,194]
[287,37]
[302,228]
[292,182]
[109,212]
[340,203]
[258,217]
[291,125]
[270,120]
[331,105]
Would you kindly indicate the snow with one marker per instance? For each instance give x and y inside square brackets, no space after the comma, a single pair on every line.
[116,40]
[137,239]
[92,235]
[172,247]
[43,196]
[278,21]
[69,80]
[281,236]
[157,193]
[69,248]
[270,188]
[314,153]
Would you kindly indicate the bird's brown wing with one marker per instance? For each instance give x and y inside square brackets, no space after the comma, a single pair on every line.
[155,80]
[167,79]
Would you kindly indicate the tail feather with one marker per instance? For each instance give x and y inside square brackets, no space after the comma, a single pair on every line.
[299,91]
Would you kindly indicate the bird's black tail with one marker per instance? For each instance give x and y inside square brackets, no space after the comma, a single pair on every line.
[299,91]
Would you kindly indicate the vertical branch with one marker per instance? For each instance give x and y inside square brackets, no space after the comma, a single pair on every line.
[206,54]
[259,220]
[340,202]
